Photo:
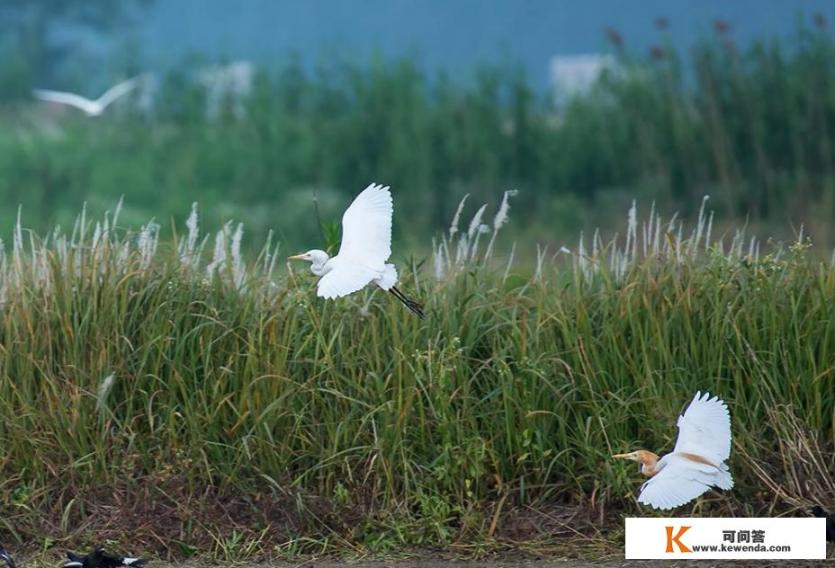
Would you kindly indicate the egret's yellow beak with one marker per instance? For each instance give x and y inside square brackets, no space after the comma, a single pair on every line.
[624,456]
[296,257]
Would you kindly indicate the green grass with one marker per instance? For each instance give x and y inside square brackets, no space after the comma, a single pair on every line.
[247,417]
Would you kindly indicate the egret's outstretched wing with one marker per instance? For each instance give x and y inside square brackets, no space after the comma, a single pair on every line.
[117,91]
[366,228]
[679,482]
[705,429]
[345,277]
[63,98]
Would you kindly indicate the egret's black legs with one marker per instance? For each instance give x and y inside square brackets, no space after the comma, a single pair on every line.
[413,306]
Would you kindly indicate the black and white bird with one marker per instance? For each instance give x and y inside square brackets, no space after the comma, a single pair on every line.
[98,558]
[7,558]
[819,511]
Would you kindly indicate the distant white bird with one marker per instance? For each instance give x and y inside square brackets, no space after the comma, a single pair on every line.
[365,248]
[697,462]
[89,107]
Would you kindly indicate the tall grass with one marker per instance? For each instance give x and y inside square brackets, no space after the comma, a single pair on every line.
[167,393]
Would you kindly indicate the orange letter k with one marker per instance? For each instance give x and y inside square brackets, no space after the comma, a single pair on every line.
[675,539]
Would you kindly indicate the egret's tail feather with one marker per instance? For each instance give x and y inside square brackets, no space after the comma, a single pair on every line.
[413,306]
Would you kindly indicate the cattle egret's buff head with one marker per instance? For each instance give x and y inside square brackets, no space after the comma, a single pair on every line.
[643,457]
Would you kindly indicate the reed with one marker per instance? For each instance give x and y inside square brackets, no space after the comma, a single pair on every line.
[177,394]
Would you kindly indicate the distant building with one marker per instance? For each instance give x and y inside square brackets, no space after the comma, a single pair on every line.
[572,75]
[227,84]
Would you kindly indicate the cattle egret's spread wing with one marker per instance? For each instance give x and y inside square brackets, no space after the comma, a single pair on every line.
[705,429]
[117,91]
[345,277]
[366,228]
[63,98]
[679,482]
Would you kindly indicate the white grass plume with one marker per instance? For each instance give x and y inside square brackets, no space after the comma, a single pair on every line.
[499,220]
[453,227]
[103,392]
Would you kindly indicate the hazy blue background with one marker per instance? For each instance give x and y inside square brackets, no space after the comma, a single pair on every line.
[455,35]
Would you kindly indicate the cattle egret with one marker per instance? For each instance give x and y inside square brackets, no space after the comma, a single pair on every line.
[101,559]
[7,558]
[697,462]
[89,107]
[365,248]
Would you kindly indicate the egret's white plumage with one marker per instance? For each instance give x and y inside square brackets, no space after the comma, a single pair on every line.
[697,462]
[89,107]
[705,429]
[363,252]
[366,227]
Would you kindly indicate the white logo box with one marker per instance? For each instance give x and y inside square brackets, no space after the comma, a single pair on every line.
[725,538]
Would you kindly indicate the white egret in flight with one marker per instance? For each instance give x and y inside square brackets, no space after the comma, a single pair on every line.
[365,248]
[697,462]
[89,107]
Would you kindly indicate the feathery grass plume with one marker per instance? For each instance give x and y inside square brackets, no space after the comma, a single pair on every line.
[473,233]
[467,242]
[629,249]
[123,255]
[188,252]
[462,249]
[698,232]
[443,247]
[500,219]
[96,236]
[453,227]
[540,260]
[753,249]
[438,260]
[103,392]
[475,223]
[17,243]
[147,243]
[656,240]
[219,257]
[238,273]
[269,256]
